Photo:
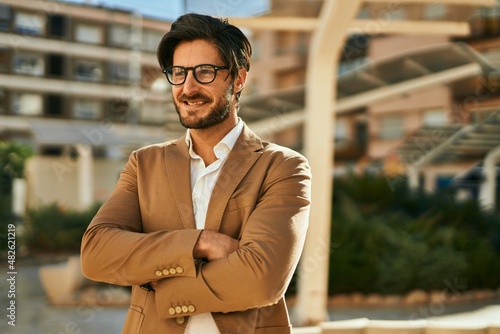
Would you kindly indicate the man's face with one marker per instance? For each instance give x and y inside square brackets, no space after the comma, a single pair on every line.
[201,106]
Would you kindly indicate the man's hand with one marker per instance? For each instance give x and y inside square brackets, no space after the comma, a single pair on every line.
[212,245]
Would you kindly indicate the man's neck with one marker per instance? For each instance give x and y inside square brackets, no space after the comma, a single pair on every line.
[204,140]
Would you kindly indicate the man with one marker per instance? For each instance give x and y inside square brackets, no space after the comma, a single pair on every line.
[207,229]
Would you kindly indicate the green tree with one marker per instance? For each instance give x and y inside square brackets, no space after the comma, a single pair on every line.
[13,157]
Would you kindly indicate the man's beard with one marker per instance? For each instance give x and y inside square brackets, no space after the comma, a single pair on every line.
[218,113]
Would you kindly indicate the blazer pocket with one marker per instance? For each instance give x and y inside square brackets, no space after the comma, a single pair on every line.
[133,321]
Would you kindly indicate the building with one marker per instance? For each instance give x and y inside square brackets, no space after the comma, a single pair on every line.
[81,85]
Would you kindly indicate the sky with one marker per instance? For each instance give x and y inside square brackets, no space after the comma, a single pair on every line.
[171,9]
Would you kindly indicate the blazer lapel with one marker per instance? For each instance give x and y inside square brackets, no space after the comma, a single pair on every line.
[177,162]
[244,154]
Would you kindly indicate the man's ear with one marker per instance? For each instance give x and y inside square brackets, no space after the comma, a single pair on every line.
[241,79]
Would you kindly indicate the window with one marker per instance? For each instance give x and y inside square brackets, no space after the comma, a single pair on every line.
[5,17]
[4,60]
[154,112]
[117,111]
[30,24]
[87,33]
[57,25]
[3,100]
[56,65]
[119,72]
[150,40]
[88,71]
[341,130]
[120,35]
[27,104]
[391,127]
[435,117]
[29,64]
[55,105]
[87,109]
[480,116]
[435,11]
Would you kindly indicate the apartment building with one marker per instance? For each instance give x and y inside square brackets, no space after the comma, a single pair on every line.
[78,83]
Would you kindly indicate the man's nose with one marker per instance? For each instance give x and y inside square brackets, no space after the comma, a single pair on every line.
[190,85]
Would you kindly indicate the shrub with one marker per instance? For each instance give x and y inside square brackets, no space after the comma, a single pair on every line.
[396,240]
[53,229]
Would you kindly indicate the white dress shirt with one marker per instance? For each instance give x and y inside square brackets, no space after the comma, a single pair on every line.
[203,180]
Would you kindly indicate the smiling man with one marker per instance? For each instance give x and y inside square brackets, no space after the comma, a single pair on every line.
[207,229]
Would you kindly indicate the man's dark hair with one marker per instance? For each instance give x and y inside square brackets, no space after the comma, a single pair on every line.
[234,48]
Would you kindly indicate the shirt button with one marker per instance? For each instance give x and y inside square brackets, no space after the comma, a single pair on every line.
[166,272]
[180,320]
[185,309]
[171,311]
[158,273]
[179,270]
[178,309]
[191,308]
[173,271]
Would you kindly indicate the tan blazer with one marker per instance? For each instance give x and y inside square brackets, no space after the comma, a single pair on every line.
[146,232]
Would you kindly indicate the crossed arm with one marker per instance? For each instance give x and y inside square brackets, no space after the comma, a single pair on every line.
[115,249]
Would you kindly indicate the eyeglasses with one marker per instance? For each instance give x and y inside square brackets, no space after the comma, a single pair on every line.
[204,73]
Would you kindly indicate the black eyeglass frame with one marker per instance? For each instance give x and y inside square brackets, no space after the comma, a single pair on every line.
[193,69]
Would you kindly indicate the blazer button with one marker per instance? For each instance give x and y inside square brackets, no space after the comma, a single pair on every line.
[171,311]
[173,271]
[178,309]
[180,320]
[179,270]
[166,272]
[158,273]
[191,308]
[185,309]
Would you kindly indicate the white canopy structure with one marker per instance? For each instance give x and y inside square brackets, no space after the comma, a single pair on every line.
[330,27]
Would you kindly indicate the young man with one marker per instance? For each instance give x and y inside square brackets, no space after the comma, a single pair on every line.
[209,228]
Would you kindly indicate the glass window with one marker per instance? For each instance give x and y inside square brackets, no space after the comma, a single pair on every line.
[88,71]
[87,108]
[57,25]
[55,105]
[27,104]
[56,65]
[154,112]
[119,72]
[435,117]
[150,40]
[3,95]
[4,60]
[435,11]
[341,130]
[391,127]
[5,17]
[29,64]
[119,35]
[87,33]
[30,24]
[480,116]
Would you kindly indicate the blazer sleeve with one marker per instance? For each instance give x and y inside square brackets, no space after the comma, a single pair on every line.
[115,249]
[271,243]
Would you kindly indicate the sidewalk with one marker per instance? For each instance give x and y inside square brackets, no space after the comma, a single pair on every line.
[34,315]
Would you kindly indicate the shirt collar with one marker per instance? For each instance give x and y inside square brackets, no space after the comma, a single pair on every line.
[223,147]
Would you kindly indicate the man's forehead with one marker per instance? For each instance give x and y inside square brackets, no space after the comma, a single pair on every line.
[200,51]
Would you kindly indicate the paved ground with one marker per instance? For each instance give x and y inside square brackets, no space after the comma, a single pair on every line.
[33,315]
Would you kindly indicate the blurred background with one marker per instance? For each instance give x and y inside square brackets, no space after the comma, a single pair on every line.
[413,123]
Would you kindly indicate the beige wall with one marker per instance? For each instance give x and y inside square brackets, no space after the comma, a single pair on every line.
[411,106]
[54,180]
[388,46]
